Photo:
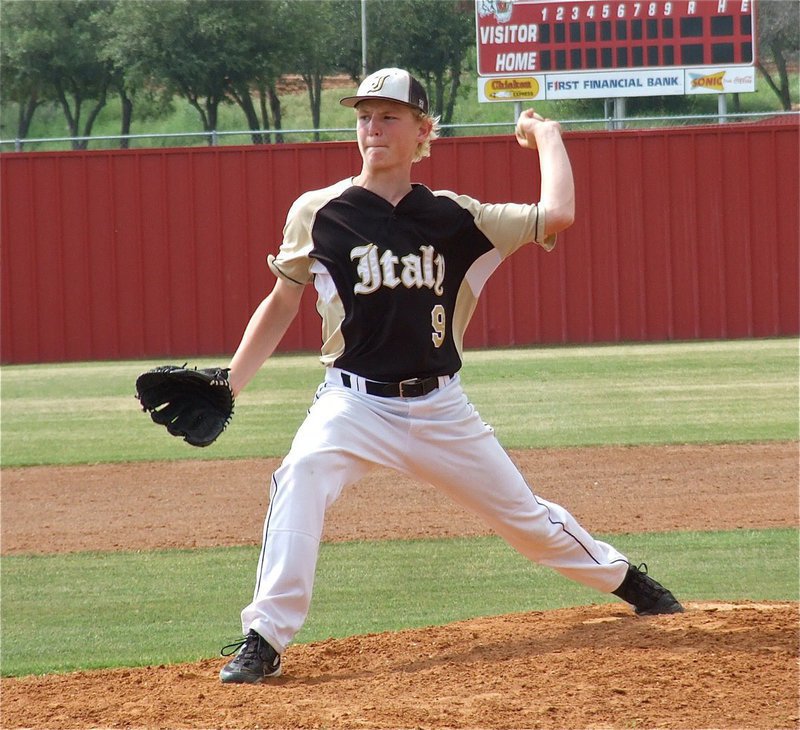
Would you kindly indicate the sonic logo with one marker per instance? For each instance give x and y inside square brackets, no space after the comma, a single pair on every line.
[713,82]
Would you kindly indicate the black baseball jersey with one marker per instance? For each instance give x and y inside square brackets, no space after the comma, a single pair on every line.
[397,285]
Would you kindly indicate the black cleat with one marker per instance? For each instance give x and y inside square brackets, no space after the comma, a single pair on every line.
[647,596]
[255,661]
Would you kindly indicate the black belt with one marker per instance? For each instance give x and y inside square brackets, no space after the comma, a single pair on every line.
[411,388]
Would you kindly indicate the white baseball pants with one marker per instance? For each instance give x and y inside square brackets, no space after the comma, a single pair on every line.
[438,438]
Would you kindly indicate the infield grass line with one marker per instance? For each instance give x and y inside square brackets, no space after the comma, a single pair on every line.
[124,609]
[663,393]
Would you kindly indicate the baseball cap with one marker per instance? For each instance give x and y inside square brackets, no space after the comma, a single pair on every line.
[394,84]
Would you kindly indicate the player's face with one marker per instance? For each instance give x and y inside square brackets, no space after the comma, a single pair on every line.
[388,133]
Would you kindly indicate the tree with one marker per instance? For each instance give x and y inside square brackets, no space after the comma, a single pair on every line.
[778,28]
[131,90]
[329,42]
[80,76]
[21,64]
[387,22]
[439,34]
[265,41]
[431,38]
[184,46]
[52,55]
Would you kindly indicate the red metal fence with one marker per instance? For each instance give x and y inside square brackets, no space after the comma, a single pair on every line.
[681,234]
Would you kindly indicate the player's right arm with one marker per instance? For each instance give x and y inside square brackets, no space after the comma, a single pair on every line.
[264,331]
[558,188]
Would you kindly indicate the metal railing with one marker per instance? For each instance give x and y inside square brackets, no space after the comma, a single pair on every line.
[217,137]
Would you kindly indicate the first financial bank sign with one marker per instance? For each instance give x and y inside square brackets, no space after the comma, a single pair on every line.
[551,49]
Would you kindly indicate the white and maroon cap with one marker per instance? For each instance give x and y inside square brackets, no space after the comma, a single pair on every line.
[394,84]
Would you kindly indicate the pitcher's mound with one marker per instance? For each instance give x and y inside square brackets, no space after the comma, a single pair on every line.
[719,665]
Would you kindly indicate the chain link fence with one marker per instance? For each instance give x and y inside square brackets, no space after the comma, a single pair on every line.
[272,136]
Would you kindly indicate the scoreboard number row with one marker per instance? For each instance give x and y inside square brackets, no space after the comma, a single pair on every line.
[594,11]
[653,10]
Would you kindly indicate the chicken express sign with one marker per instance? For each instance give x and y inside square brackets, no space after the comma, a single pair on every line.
[541,49]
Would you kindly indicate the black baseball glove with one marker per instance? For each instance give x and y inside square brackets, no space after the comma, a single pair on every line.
[195,404]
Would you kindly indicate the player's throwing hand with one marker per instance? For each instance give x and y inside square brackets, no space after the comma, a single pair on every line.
[530,125]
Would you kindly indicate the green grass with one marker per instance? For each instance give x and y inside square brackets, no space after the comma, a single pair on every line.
[566,396]
[636,394]
[93,610]
[49,120]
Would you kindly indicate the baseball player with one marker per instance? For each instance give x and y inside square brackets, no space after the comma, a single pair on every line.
[398,269]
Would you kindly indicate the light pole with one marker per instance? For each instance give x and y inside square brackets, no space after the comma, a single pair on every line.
[363,39]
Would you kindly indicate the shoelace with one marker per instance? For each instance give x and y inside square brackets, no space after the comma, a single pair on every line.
[253,650]
[234,647]
[649,588]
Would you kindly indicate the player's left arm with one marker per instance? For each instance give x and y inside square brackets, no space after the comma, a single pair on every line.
[558,187]
[264,331]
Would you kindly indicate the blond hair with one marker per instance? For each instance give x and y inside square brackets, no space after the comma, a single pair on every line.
[424,148]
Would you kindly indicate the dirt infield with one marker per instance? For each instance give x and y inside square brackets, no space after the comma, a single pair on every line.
[719,665]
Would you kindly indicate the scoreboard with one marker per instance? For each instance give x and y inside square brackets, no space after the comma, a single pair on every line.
[551,49]
[622,34]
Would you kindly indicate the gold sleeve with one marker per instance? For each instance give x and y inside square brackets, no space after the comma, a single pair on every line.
[293,261]
[509,226]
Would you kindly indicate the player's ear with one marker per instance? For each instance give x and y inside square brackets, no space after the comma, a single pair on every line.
[424,126]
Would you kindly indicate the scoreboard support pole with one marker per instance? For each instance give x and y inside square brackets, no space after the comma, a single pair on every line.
[620,112]
[722,108]
[614,112]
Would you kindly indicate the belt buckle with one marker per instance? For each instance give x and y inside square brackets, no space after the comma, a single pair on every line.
[409,382]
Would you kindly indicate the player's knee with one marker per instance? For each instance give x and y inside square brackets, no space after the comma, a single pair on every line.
[308,477]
